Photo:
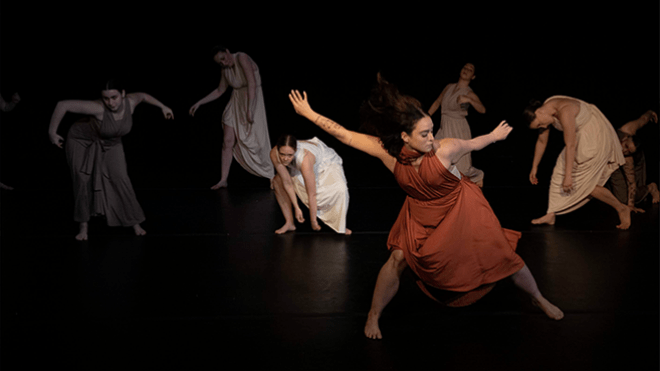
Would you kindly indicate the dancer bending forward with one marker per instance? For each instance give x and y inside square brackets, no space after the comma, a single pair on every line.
[244,119]
[313,171]
[95,154]
[591,155]
[446,231]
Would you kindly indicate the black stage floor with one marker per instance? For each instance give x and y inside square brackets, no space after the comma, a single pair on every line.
[212,287]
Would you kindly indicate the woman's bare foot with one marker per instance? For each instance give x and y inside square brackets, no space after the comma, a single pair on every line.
[82,232]
[655,194]
[548,218]
[138,230]
[220,184]
[286,228]
[348,232]
[624,217]
[371,329]
[548,308]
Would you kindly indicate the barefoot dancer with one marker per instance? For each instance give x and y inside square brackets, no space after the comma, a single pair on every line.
[244,119]
[592,152]
[455,100]
[95,155]
[314,172]
[628,183]
[446,231]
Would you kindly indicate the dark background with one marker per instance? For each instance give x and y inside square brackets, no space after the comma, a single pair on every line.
[607,56]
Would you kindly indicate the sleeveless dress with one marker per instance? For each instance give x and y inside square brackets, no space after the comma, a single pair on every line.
[95,155]
[252,149]
[331,186]
[449,235]
[453,124]
[598,154]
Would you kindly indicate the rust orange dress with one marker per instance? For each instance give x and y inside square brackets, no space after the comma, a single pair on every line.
[449,234]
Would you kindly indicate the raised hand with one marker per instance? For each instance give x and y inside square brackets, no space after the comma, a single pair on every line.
[300,103]
[501,131]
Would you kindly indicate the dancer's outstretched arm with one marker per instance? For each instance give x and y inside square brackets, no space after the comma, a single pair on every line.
[366,143]
[450,150]
[213,95]
[632,127]
[137,98]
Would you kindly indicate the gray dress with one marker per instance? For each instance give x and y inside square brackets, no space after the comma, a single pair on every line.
[95,155]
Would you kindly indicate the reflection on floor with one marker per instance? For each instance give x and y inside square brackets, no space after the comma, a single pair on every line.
[212,286]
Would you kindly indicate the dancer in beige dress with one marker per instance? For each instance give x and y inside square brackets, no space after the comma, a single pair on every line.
[592,152]
[455,100]
[244,119]
[314,172]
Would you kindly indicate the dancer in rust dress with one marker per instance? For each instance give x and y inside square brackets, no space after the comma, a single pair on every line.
[95,155]
[446,231]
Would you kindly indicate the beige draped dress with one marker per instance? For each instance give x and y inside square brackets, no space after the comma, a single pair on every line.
[598,154]
[453,124]
[252,149]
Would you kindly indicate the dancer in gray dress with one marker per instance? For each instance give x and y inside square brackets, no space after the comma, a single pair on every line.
[95,155]
[455,100]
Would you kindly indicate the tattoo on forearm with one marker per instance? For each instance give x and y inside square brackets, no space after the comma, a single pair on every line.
[329,126]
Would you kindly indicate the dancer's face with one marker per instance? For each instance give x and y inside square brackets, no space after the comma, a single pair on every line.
[112,98]
[543,119]
[286,154]
[421,138]
[224,59]
[467,73]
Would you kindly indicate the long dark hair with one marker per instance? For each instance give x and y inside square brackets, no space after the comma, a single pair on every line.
[114,83]
[287,140]
[529,113]
[387,113]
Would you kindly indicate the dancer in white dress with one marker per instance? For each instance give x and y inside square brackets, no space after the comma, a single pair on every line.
[455,100]
[593,152]
[244,119]
[314,172]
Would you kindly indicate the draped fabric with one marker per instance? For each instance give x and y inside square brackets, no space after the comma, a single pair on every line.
[453,124]
[101,185]
[331,186]
[252,149]
[450,236]
[598,154]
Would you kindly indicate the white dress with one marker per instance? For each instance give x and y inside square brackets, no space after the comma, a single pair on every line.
[331,186]
[598,154]
[252,149]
